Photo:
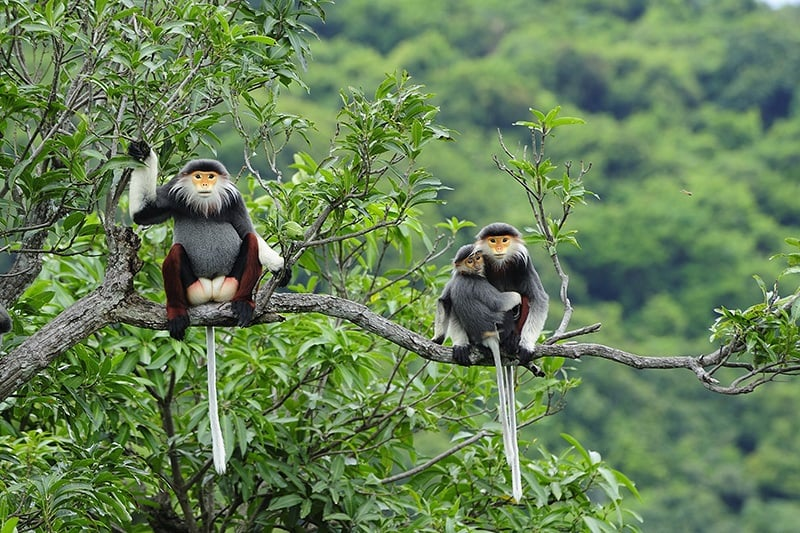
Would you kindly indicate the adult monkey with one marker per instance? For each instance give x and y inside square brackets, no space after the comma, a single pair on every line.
[469,311]
[216,254]
[509,268]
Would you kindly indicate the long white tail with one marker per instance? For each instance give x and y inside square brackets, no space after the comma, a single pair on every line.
[217,444]
[511,411]
[507,407]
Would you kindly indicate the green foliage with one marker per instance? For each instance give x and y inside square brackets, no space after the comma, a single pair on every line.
[78,74]
[535,174]
[770,330]
[692,121]
[692,127]
[324,423]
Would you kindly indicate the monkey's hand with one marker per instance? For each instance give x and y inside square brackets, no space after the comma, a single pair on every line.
[461,354]
[282,276]
[139,150]
[526,358]
[438,340]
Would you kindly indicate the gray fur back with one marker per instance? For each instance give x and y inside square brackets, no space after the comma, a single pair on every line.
[212,245]
[476,305]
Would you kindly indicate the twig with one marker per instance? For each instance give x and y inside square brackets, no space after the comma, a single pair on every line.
[427,464]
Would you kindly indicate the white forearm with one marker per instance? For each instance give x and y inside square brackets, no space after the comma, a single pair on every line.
[268,257]
[143,184]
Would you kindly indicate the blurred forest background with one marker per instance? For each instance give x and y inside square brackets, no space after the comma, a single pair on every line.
[693,121]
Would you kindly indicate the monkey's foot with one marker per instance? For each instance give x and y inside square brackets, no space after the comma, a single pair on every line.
[461,354]
[177,324]
[526,358]
[243,311]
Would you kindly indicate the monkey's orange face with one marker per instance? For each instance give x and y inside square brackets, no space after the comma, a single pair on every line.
[473,264]
[204,182]
[499,244]
[475,261]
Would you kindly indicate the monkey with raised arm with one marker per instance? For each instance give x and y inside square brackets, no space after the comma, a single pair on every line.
[216,253]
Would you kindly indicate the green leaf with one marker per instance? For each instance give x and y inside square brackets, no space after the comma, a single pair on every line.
[9,525]
[286,501]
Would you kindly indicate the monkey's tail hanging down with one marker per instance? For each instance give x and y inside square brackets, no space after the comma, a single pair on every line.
[217,444]
[507,405]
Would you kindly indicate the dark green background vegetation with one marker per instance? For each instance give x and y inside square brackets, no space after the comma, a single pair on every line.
[692,131]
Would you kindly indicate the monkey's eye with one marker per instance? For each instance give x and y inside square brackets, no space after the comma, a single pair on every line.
[198,177]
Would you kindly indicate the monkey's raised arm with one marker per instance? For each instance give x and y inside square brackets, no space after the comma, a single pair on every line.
[149,204]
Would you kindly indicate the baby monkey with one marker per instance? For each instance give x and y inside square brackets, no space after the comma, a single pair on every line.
[470,308]
[469,311]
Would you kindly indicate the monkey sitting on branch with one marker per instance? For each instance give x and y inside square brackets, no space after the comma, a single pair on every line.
[216,255]
[469,311]
[508,267]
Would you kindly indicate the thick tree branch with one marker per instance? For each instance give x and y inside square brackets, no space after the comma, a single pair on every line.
[115,302]
[77,322]
[151,315]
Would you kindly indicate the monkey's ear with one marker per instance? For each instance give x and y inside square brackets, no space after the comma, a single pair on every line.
[139,150]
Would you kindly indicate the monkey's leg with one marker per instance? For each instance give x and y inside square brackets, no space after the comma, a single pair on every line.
[178,274]
[247,271]
[461,346]
[523,345]
[522,316]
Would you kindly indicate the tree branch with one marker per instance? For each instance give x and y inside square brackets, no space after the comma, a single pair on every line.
[447,453]
[151,315]
[115,302]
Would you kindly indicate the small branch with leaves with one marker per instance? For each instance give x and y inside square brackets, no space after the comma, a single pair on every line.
[534,173]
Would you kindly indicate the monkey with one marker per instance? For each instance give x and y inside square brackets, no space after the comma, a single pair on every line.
[216,254]
[469,309]
[508,267]
[5,321]
[469,312]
